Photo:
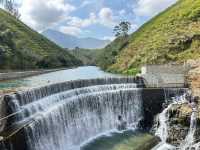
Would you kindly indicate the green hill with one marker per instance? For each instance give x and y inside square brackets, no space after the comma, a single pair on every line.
[171,36]
[87,56]
[23,48]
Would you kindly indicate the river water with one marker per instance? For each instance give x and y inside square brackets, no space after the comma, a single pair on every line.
[87,72]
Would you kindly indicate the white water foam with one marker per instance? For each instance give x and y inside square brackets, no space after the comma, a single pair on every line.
[162,130]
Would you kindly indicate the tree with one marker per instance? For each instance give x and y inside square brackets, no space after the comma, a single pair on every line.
[11,7]
[122,29]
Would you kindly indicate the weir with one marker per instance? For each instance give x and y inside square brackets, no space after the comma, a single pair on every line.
[64,115]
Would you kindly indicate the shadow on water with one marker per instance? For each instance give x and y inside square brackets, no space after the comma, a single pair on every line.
[128,140]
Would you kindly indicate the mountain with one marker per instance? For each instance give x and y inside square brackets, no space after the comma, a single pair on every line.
[23,48]
[69,41]
[171,36]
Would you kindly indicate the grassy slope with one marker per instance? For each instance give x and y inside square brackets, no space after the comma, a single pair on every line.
[108,55]
[173,35]
[23,48]
[87,56]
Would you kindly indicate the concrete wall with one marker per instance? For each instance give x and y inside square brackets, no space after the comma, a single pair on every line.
[165,75]
[166,69]
[164,80]
[153,98]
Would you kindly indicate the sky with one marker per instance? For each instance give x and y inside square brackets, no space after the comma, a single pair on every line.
[88,18]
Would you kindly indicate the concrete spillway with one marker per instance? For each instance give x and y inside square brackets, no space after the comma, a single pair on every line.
[63,116]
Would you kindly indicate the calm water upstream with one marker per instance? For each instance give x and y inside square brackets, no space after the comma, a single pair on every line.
[87,72]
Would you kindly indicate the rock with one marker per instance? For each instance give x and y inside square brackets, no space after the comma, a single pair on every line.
[193,77]
[176,134]
[179,124]
[193,63]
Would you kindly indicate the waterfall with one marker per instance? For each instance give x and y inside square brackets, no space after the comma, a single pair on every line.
[172,96]
[68,114]
[188,143]
[162,130]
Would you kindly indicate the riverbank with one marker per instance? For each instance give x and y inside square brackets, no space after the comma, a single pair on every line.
[12,75]
[15,75]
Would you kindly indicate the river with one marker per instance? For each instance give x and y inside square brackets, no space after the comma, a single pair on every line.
[86,72]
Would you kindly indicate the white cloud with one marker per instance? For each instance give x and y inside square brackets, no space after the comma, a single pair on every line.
[111,38]
[75,25]
[86,3]
[78,22]
[106,17]
[151,7]
[134,27]
[41,14]
[70,30]
[122,12]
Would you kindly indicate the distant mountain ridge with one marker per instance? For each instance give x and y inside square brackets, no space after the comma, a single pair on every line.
[69,41]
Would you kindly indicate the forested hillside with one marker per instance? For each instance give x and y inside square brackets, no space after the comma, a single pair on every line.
[23,48]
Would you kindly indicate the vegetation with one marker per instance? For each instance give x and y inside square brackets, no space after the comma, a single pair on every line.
[171,36]
[87,56]
[11,7]
[108,55]
[23,48]
[122,29]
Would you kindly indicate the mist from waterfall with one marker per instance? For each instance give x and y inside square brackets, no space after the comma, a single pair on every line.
[66,116]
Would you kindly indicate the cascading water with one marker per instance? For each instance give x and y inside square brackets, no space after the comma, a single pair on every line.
[189,141]
[173,97]
[66,116]
[162,129]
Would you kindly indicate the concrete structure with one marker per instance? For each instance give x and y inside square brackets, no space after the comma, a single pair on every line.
[152,105]
[165,75]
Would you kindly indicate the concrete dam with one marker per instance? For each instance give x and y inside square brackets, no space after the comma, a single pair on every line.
[62,116]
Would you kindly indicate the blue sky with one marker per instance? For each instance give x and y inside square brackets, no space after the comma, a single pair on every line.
[88,18]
